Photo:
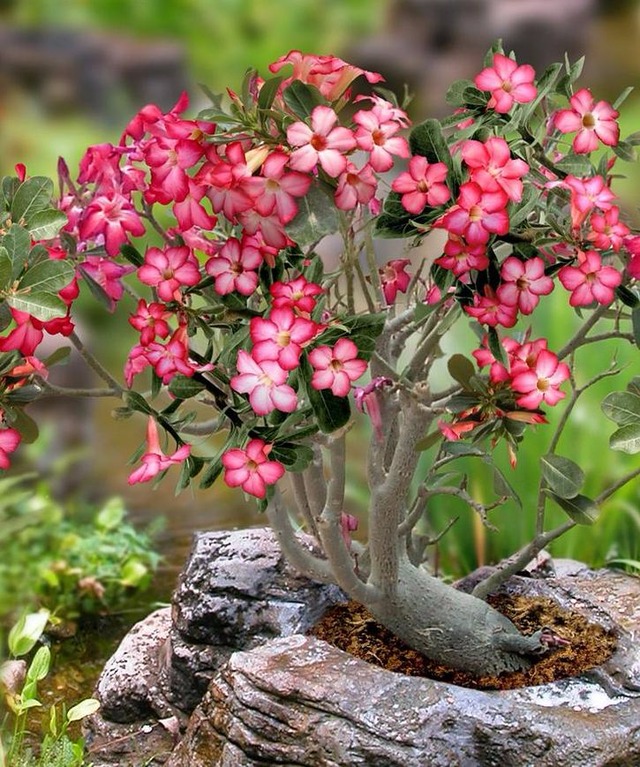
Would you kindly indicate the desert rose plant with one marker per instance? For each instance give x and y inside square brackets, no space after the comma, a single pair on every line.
[204,232]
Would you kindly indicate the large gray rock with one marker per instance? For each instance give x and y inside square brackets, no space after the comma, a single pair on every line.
[299,701]
[236,592]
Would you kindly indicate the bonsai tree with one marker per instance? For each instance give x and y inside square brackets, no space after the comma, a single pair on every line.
[205,232]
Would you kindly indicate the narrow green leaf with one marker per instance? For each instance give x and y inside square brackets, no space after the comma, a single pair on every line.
[268,92]
[626,439]
[331,412]
[622,97]
[47,276]
[40,665]
[184,387]
[211,474]
[463,448]
[32,196]
[42,306]
[564,477]
[137,402]
[429,441]
[503,487]
[625,151]
[495,347]
[25,424]
[582,510]
[622,407]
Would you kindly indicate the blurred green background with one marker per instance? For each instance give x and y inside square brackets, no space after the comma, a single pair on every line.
[73,73]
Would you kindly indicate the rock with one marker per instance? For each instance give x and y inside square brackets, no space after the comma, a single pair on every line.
[127,688]
[236,591]
[234,648]
[300,701]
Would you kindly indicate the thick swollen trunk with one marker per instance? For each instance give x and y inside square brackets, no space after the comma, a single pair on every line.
[452,627]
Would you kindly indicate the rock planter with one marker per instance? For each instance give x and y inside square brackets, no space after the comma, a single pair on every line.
[276,696]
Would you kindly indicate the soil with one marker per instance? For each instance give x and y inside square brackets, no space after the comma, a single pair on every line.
[351,628]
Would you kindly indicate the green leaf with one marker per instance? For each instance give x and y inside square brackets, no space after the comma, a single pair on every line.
[133,573]
[294,456]
[463,448]
[622,97]
[625,151]
[111,515]
[530,199]
[184,387]
[302,98]
[31,197]
[25,424]
[582,510]
[628,296]
[330,411]
[42,306]
[81,710]
[132,255]
[426,140]
[211,474]
[40,665]
[461,369]
[6,268]
[47,277]
[503,487]
[268,92]
[635,325]
[495,347]
[564,477]
[58,356]
[18,244]
[45,224]
[317,216]
[575,164]
[26,632]
[429,440]
[137,402]
[622,407]
[626,439]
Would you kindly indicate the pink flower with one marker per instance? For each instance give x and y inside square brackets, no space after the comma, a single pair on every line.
[493,168]
[376,134]
[151,321]
[281,337]
[477,214]
[394,278]
[461,258]
[169,270]
[154,460]
[280,188]
[114,218]
[422,184]
[507,83]
[592,122]
[234,267]
[586,195]
[9,441]
[540,383]
[264,382]
[321,143]
[490,310]
[590,281]
[355,187]
[523,282]
[250,468]
[607,231]
[297,294]
[336,368]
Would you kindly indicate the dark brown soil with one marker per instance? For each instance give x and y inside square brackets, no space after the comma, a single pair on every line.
[351,628]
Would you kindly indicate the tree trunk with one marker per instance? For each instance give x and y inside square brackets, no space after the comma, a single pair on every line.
[452,627]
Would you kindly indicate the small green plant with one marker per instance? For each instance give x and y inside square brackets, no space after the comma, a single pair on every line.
[19,684]
[74,565]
